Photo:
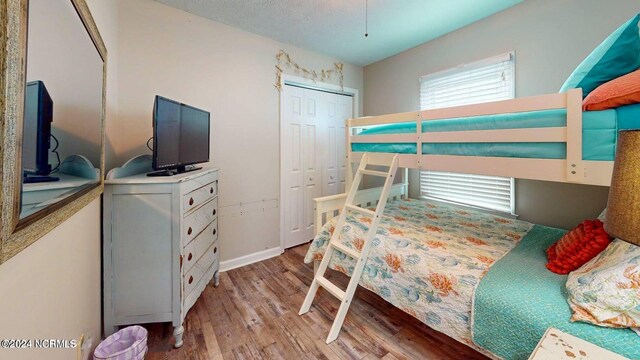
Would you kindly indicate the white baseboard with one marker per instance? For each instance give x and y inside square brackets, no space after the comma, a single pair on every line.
[249,259]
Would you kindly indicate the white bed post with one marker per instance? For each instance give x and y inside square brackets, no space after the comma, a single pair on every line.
[575,164]
[349,167]
[405,183]
[419,141]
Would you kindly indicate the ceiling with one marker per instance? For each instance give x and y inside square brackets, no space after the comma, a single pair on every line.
[336,27]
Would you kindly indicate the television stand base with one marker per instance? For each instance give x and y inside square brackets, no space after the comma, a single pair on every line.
[32,179]
[162,173]
[180,170]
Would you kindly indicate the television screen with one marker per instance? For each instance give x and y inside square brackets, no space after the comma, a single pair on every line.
[181,135]
[38,115]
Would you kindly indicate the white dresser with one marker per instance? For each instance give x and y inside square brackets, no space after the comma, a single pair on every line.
[161,245]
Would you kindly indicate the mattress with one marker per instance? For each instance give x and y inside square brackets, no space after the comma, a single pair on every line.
[427,259]
[600,130]
[519,299]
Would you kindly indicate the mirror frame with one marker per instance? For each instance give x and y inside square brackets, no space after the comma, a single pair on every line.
[15,233]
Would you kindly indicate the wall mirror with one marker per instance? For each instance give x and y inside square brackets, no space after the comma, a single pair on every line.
[53,120]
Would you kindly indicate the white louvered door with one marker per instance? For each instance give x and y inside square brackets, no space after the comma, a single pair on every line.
[313,156]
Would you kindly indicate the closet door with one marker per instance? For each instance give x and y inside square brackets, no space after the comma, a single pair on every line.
[330,169]
[345,111]
[291,159]
[313,156]
[314,115]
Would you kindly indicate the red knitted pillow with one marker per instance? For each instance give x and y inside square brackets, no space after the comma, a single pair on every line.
[577,247]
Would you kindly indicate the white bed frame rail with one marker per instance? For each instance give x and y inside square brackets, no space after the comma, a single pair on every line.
[573,169]
[329,206]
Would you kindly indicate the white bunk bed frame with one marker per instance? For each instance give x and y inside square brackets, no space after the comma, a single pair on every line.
[573,169]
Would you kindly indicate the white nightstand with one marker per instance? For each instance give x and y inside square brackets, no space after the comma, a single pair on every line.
[558,345]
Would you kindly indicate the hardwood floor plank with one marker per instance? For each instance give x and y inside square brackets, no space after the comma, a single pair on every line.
[253,314]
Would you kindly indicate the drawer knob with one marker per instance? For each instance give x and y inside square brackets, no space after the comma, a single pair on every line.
[190,201]
[190,257]
[214,231]
[211,190]
[190,279]
[214,211]
[189,231]
[215,249]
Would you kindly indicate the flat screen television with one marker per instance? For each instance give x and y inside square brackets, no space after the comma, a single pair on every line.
[180,136]
[36,133]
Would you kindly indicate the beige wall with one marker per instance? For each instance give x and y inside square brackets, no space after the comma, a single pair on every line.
[69,64]
[52,289]
[105,14]
[550,39]
[228,72]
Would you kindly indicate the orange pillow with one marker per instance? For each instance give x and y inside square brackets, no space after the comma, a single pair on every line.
[621,91]
[577,247]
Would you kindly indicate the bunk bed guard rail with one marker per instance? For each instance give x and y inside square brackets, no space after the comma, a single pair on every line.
[573,169]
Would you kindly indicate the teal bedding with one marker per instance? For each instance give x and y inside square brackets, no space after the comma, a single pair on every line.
[600,130]
[518,299]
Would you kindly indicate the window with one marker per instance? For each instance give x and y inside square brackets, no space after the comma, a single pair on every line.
[483,81]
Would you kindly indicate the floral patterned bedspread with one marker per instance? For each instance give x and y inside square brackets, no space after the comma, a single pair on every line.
[427,258]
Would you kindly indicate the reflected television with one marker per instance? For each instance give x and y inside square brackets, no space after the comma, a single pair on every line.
[36,133]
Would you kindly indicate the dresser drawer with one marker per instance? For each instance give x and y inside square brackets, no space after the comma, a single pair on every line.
[199,196]
[193,276]
[192,297]
[195,249]
[198,220]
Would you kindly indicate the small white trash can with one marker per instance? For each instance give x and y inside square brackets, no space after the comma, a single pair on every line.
[129,343]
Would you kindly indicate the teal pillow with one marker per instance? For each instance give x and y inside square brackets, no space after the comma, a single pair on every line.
[618,55]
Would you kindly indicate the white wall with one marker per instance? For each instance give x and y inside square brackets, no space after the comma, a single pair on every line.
[550,39]
[52,289]
[228,72]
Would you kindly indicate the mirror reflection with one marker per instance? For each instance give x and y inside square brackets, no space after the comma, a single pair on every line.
[62,135]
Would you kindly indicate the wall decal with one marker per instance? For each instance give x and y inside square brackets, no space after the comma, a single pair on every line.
[284,59]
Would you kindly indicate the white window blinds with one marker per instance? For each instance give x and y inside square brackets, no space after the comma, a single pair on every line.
[487,80]
[488,192]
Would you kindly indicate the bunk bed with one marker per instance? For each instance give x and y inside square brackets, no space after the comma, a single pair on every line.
[429,258]
[475,276]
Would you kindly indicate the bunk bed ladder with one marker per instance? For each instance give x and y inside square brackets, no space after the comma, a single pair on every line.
[335,244]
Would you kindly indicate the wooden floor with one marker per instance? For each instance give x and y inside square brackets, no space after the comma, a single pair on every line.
[254,315]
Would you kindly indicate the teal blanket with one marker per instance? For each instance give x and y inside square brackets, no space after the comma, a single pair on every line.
[518,299]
